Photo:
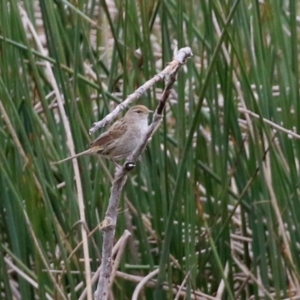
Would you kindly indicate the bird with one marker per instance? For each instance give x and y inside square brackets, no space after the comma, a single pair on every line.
[122,138]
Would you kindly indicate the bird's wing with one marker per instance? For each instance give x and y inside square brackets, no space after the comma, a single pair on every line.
[104,141]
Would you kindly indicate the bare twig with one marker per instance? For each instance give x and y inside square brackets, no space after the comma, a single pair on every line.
[142,284]
[274,125]
[109,223]
[247,272]
[170,69]
[23,275]
[119,249]
[182,285]
[175,289]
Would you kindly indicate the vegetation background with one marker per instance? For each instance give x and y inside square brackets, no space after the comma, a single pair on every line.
[214,204]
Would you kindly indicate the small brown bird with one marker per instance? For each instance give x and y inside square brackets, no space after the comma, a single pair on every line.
[122,138]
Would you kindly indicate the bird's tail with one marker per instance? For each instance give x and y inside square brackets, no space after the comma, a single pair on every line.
[74,156]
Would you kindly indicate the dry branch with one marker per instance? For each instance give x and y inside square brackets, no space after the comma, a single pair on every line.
[171,68]
[109,223]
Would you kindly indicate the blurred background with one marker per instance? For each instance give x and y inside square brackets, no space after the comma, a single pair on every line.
[213,206]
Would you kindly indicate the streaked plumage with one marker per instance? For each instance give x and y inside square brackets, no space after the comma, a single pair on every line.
[122,138]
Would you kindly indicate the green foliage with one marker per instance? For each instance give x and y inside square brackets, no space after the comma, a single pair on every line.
[214,202]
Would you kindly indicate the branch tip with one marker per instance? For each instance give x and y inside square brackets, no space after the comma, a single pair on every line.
[183,54]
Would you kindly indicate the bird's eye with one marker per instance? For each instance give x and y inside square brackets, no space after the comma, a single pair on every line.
[138,111]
